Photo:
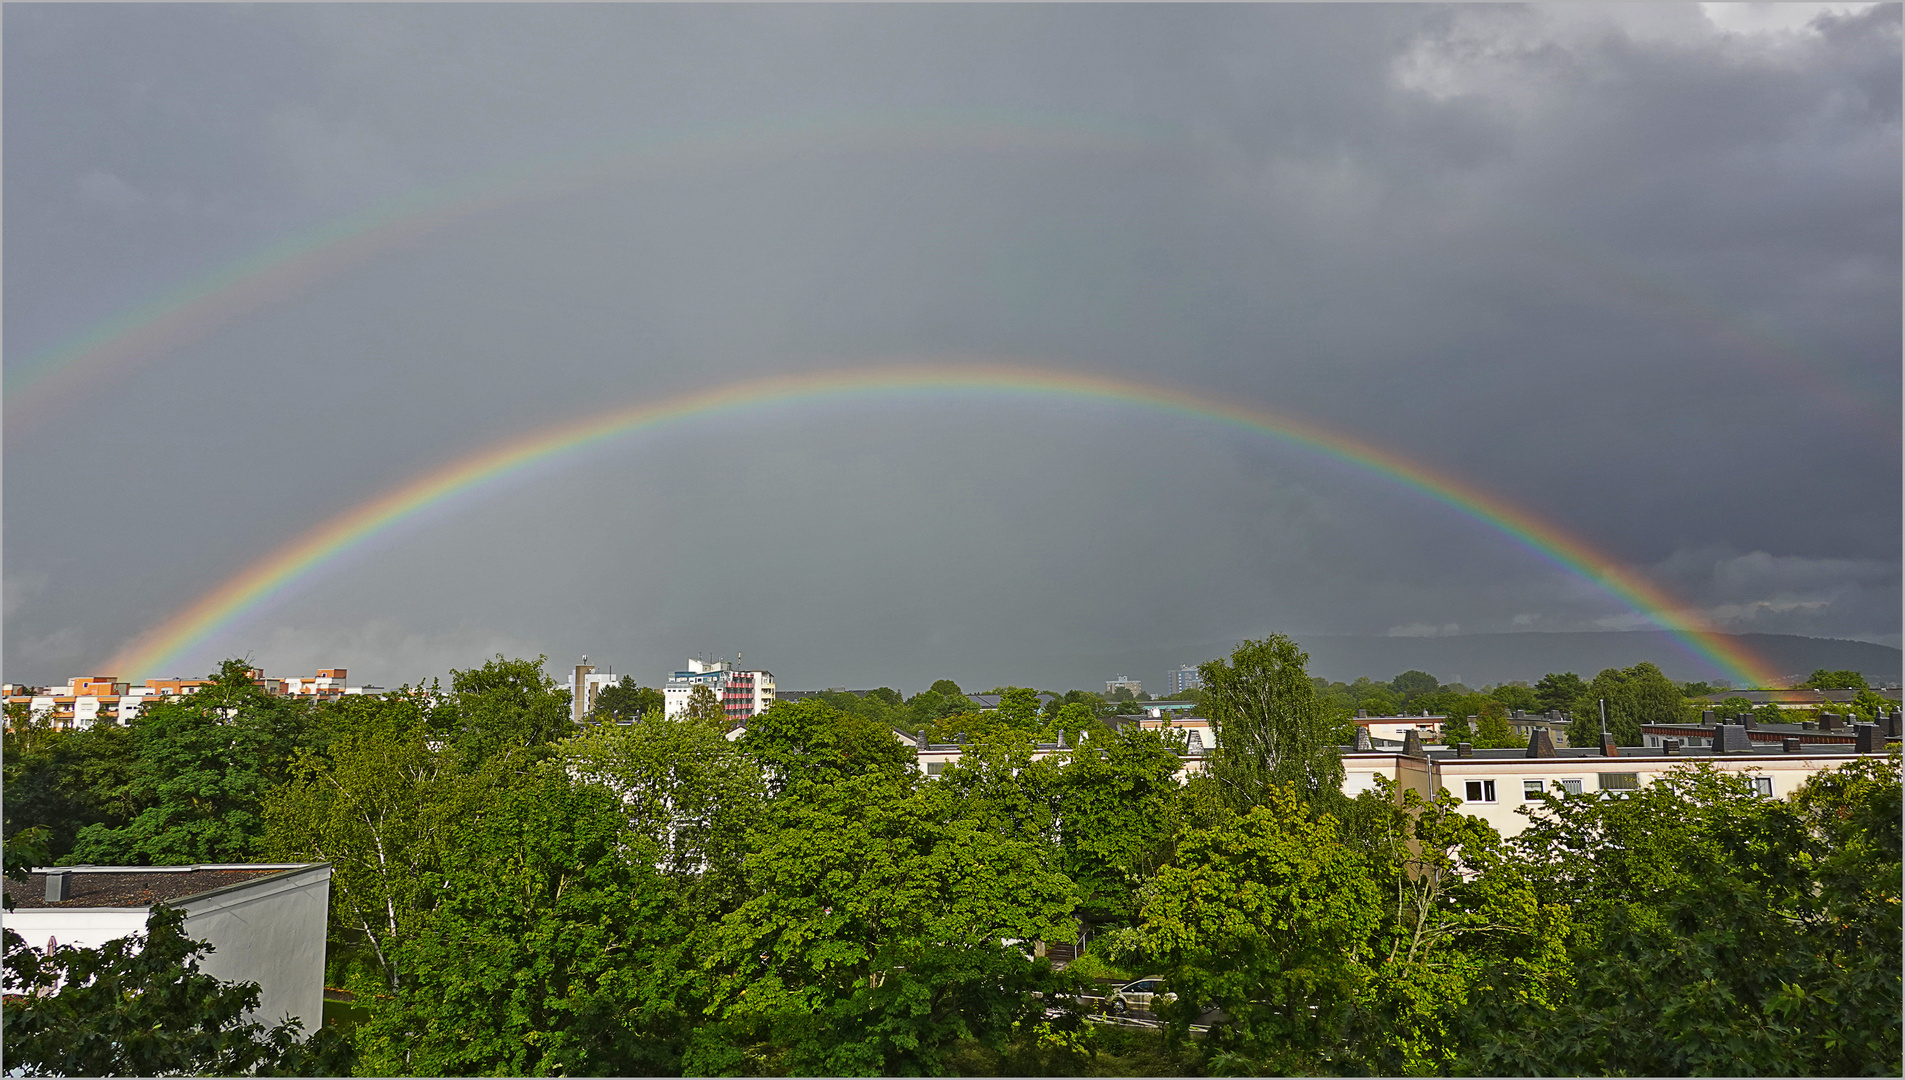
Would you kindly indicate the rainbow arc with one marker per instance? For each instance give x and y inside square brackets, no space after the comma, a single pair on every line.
[284,570]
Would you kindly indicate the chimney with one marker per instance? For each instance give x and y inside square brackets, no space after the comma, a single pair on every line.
[1061,738]
[1463,749]
[1791,744]
[1828,721]
[1730,737]
[1412,744]
[1706,716]
[1892,724]
[1541,744]
[1608,749]
[1362,714]
[1362,738]
[59,885]
[1671,746]
[1746,720]
[1869,740]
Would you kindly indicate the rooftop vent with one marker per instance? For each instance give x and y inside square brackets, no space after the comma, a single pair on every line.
[1463,749]
[1541,744]
[1730,737]
[1869,740]
[1412,743]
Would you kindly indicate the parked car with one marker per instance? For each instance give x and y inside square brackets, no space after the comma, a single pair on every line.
[1139,994]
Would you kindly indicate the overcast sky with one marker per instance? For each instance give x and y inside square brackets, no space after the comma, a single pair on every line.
[1634,268]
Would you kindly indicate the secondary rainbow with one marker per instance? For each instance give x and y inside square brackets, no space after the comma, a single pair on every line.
[37,385]
[290,565]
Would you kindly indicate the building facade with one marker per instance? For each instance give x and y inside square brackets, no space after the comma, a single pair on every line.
[1183,677]
[1124,682]
[742,693]
[89,699]
[265,922]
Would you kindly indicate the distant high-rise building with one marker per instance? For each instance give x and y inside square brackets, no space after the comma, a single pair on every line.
[742,693]
[584,684]
[1124,682]
[1183,677]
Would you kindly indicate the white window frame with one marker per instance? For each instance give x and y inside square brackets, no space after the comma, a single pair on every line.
[1763,785]
[1486,788]
[1532,790]
[1570,786]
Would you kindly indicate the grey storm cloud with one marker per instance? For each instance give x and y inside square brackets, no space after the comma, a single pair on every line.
[1628,267]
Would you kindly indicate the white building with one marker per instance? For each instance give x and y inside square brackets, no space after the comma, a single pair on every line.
[264,921]
[742,694]
[1183,677]
[1123,682]
[1495,784]
[584,685]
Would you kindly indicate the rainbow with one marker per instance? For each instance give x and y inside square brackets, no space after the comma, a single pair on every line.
[61,374]
[286,568]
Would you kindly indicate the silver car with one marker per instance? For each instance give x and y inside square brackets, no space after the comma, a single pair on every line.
[1139,995]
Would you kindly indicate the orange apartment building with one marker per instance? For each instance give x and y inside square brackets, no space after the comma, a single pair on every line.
[85,699]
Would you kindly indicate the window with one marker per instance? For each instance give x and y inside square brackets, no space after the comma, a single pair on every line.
[1619,781]
[1763,785]
[1572,787]
[1531,790]
[1481,791]
[934,768]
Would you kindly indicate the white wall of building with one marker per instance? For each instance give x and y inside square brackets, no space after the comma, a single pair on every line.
[269,931]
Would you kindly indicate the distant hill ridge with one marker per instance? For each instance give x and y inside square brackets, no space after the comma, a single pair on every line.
[1494,658]
[1481,659]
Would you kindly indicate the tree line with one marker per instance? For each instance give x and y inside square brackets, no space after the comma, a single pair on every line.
[513,896]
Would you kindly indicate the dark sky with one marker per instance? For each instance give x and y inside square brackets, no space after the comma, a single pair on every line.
[1634,268]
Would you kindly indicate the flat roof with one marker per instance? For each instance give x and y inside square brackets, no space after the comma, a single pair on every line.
[138,886]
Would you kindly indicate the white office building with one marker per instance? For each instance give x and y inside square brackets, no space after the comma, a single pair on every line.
[742,693]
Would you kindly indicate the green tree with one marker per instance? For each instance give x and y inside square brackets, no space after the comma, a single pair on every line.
[202,766]
[507,705]
[1462,925]
[1117,803]
[1412,684]
[626,702]
[139,1006]
[1716,931]
[1269,918]
[1834,680]
[381,802]
[1516,696]
[797,742]
[705,709]
[1492,730]
[1634,696]
[1271,729]
[685,789]
[552,944]
[880,936]
[1558,692]
[947,688]
[1019,709]
[63,781]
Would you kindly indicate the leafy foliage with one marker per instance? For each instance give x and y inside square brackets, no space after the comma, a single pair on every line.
[1834,680]
[1271,729]
[199,771]
[1633,696]
[626,702]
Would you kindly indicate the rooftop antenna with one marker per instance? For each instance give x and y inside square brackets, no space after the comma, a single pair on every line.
[1603,702]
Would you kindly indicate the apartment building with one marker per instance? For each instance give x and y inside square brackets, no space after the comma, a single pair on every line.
[742,693]
[88,699]
[1495,785]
